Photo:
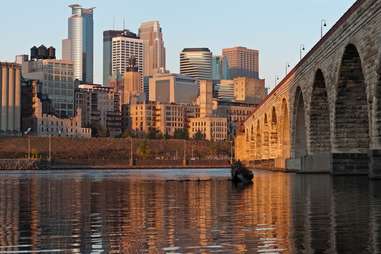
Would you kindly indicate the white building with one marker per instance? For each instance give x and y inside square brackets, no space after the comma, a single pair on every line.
[79,46]
[124,48]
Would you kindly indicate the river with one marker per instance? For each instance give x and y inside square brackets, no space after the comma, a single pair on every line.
[187,211]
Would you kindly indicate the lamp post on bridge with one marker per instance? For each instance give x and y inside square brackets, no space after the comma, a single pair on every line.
[26,133]
[323,23]
[287,66]
[301,49]
[276,79]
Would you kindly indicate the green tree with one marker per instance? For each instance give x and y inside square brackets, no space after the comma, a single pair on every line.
[181,134]
[97,130]
[152,133]
[199,136]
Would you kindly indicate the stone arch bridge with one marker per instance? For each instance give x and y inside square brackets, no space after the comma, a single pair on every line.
[325,115]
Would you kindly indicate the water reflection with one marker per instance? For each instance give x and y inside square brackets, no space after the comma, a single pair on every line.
[128,213]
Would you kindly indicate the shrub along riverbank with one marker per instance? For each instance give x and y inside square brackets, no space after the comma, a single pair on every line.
[117,151]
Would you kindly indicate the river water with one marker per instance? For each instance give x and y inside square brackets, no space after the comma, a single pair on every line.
[187,211]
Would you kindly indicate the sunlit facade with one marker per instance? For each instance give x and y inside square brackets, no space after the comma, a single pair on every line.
[242,62]
[196,63]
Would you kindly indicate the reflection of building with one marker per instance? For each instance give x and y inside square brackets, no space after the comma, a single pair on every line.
[100,107]
[79,46]
[172,88]
[196,63]
[107,51]
[242,62]
[37,116]
[10,85]
[154,51]
[56,81]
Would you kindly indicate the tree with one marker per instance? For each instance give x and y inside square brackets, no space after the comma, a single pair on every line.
[143,150]
[152,133]
[181,134]
[199,136]
[97,130]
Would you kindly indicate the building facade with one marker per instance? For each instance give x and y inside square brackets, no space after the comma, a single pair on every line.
[220,68]
[123,49]
[79,46]
[56,81]
[107,51]
[172,88]
[154,51]
[37,117]
[100,107]
[242,62]
[196,63]
[249,90]
[10,87]
[212,128]
[225,90]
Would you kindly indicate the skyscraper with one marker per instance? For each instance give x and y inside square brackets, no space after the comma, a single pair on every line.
[79,46]
[107,50]
[196,63]
[154,51]
[220,68]
[243,62]
[124,48]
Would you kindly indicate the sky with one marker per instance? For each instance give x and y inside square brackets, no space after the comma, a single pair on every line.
[276,28]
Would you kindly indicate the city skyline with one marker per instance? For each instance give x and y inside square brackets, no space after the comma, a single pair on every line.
[185,30]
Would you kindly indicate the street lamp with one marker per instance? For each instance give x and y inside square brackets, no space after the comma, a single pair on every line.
[287,66]
[302,48]
[26,133]
[323,23]
[276,80]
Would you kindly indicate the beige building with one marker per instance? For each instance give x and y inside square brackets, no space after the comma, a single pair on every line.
[213,128]
[242,62]
[100,106]
[154,51]
[131,85]
[172,88]
[10,87]
[206,98]
[249,90]
[164,117]
[36,115]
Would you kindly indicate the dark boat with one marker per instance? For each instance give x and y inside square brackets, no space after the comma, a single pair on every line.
[241,174]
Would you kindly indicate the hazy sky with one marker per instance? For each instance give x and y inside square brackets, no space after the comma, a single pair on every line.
[275,27]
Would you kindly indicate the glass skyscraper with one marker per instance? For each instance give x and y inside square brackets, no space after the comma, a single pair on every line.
[79,46]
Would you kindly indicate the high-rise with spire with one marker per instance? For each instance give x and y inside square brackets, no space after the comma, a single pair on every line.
[79,46]
[154,51]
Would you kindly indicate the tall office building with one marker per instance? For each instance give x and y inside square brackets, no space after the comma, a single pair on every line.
[132,88]
[154,51]
[107,51]
[243,62]
[123,49]
[220,68]
[79,46]
[196,63]
[225,90]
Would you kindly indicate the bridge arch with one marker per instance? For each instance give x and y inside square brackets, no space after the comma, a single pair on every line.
[299,140]
[351,107]
[320,132]
[274,136]
[285,130]
[258,142]
[266,138]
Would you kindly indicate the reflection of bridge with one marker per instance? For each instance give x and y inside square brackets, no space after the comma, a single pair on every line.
[325,115]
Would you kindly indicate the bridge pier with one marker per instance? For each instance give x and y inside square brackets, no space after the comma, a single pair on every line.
[375,164]
[316,163]
[350,164]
